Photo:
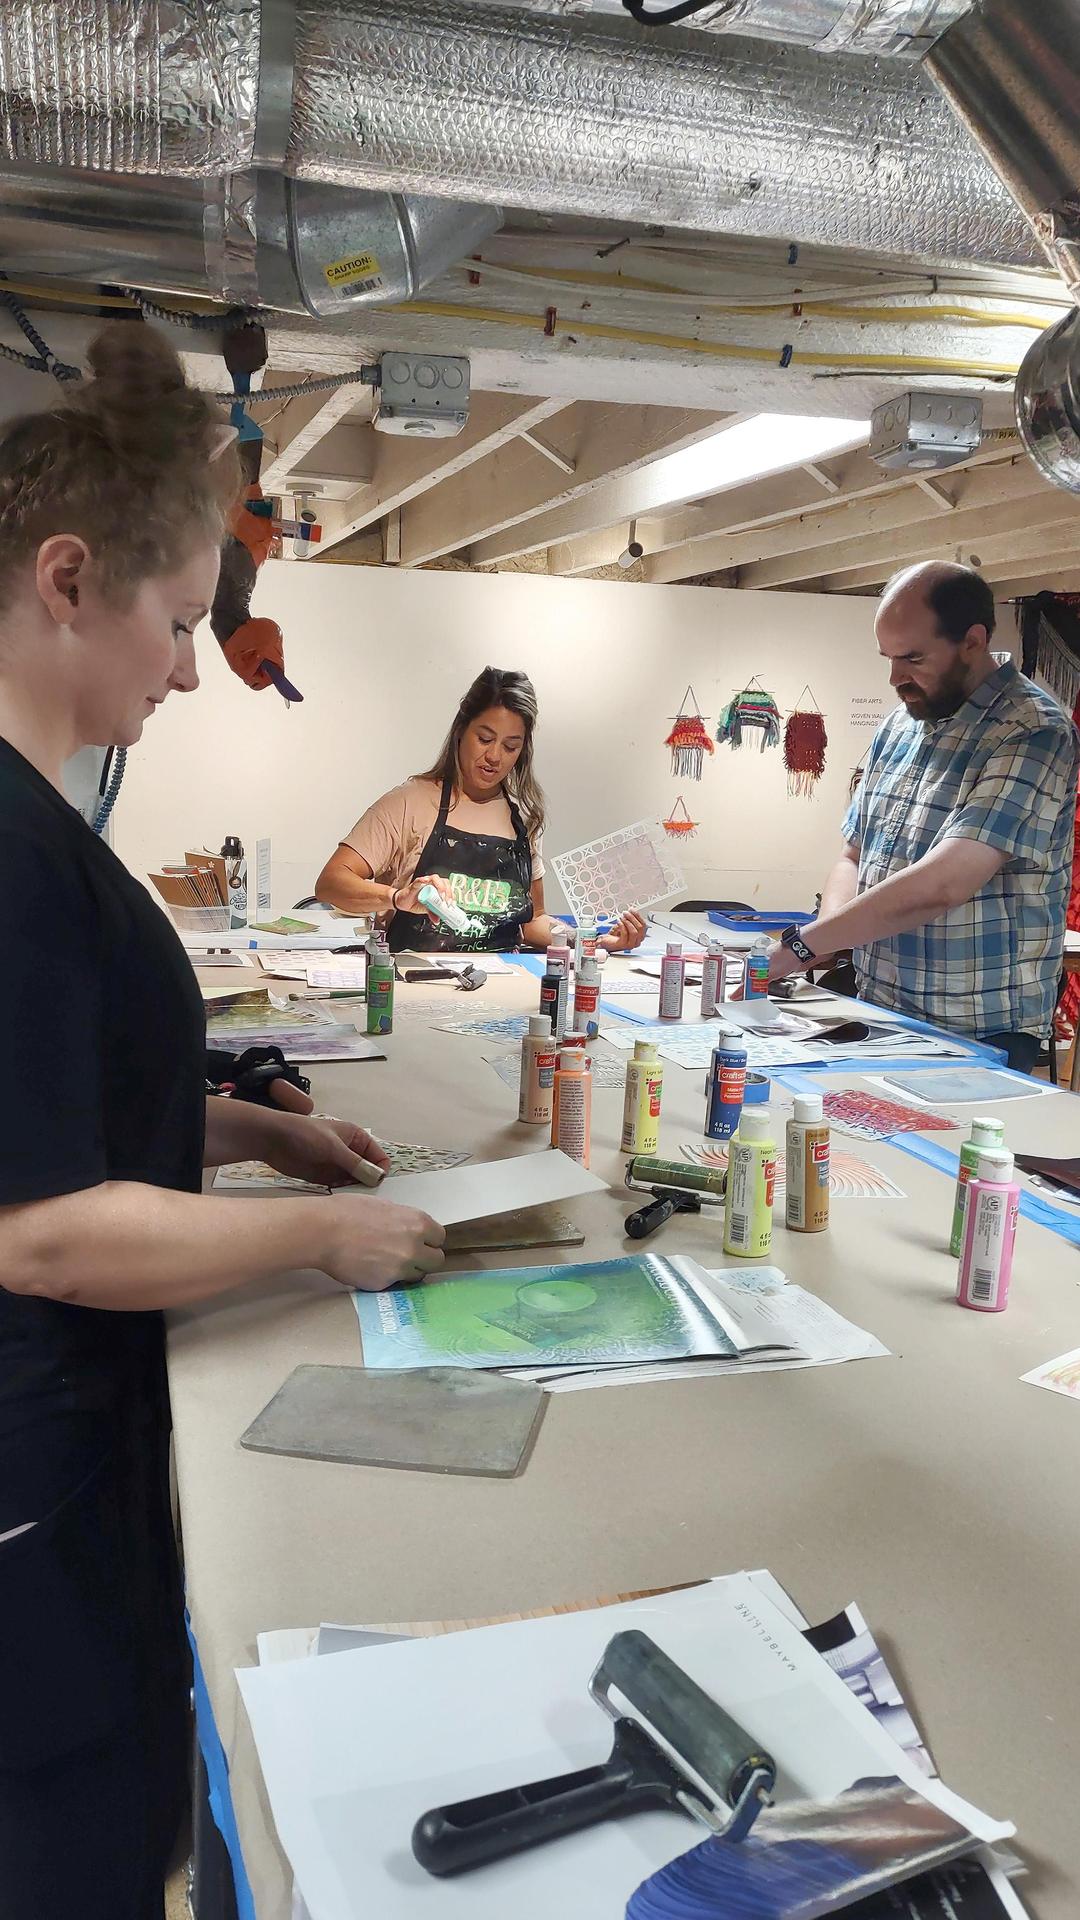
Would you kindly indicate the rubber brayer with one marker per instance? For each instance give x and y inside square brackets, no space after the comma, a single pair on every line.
[674,1748]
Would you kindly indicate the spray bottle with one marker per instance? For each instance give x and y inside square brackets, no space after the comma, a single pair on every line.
[538,1060]
[571,1117]
[672,982]
[380,989]
[587,997]
[554,988]
[990,1213]
[757,969]
[751,1184]
[726,1086]
[712,979]
[807,1157]
[641,1100]
[984,1133]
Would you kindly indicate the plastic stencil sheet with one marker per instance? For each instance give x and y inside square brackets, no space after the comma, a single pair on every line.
[632,867]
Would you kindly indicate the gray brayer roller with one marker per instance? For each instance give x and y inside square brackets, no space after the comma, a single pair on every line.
[674,1747]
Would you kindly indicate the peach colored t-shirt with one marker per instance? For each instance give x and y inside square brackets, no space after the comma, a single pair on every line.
[393,833]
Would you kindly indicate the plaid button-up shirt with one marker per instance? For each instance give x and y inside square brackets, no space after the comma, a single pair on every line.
[1001,771]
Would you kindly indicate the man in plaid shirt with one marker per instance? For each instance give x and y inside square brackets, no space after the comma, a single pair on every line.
[954,879]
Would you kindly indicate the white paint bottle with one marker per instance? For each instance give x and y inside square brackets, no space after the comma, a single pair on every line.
[587,997]
[672,982]
[712,979]
[538,1059]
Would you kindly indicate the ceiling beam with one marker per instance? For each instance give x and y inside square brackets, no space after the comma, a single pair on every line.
[1021,583]
[298,431]
[519,484]
[994,556]
[788,545]
[406,468]
[704,529]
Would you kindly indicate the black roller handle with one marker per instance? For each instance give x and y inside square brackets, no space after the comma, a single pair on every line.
[638,1778]
[664,1203]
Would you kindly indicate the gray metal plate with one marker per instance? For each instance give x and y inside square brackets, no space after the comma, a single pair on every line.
[431,1419]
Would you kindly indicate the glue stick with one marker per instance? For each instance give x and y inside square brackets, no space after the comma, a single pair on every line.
[641,1100]
[984,1133]
[672,982]
[712,979]
[991,1206]
[587,996]
[537,1086]
[807,1166]
[751,1184]
[571,1117]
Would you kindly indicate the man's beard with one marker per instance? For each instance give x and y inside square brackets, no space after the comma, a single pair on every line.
[946,698]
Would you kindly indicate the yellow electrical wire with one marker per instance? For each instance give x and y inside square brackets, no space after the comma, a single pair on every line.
[715,349]
[69,296]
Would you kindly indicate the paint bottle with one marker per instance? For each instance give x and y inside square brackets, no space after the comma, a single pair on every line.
[538,1060]
[554,988]
[807,1158]
[447,911]
[751,1184]
[672,982]
[236,880]
[984,1133]
[380,989]
[757,969]
[712,979]
[587,997]
[641,1100]
[991,1207]
[725,1087]
[585,935]
[571,1116]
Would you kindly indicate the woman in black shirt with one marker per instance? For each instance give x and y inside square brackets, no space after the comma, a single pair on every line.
[111,515]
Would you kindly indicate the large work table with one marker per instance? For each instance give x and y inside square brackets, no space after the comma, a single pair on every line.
[933,1487]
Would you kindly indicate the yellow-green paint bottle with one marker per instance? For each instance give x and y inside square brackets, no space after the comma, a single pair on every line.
[751,1185]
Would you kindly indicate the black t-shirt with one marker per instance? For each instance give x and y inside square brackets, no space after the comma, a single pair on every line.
[102,1077]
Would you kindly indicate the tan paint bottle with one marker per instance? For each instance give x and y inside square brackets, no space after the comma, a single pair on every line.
[807,1168]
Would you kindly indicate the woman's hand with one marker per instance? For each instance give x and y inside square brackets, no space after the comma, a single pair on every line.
[328,1153]
[407,898]
[376,1244]
[627,934]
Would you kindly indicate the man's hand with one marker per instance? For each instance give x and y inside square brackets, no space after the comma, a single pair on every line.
[328,1153]
[627,934]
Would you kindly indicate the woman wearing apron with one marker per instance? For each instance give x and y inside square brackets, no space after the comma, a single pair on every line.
[111,516]
[472,826]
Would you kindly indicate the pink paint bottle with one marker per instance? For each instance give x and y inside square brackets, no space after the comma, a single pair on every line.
[672,982]
[990,1215]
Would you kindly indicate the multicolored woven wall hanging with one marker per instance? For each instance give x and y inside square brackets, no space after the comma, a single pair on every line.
[689,739]
[680,826]
[751,708]
[805,741]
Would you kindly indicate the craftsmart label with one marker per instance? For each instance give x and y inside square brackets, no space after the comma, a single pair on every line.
[360,270]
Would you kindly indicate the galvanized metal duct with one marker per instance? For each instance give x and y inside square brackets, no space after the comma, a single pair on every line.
[608,120]
[905,28]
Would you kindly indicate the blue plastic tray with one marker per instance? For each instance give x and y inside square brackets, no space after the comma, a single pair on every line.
[760,922]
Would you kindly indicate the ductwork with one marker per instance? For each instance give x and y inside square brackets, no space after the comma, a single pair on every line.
[502,107]
[904,28]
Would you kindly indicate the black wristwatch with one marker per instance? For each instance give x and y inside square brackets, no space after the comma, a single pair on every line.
[792,939]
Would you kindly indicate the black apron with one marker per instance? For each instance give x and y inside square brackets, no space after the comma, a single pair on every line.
[491,879]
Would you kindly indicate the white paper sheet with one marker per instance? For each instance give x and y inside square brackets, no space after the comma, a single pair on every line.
[478,1191]
[355,1749]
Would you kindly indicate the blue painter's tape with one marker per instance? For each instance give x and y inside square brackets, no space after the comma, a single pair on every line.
[217,1774]
[531,962]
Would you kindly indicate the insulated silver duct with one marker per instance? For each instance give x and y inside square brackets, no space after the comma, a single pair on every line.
[905,28]
[611,121]
[502,107]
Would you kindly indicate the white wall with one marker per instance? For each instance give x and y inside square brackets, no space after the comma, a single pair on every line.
[382,657]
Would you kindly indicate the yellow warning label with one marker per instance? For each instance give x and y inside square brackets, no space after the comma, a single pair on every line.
[354,267]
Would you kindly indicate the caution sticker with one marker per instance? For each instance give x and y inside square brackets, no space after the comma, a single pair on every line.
[360,270]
